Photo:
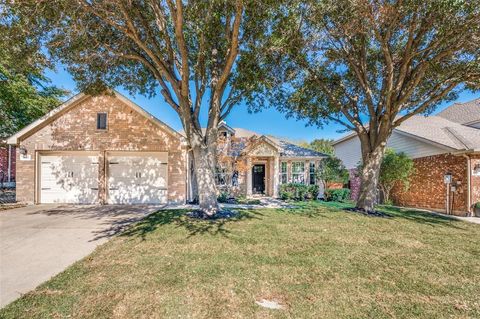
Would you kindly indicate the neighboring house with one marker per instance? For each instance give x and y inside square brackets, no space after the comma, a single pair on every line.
[107,149]
[448,142]
[7,165]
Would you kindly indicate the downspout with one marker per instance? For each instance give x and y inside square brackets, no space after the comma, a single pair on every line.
[469,191]
[9,174]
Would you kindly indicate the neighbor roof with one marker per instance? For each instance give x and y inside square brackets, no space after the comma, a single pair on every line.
[463,113]
[437,130]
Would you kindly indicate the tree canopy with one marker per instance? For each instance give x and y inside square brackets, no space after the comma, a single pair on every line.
[320,145]
[189,52]
[370,65]
[25,93]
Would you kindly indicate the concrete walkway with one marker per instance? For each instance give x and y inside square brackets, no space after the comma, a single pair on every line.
[38,242]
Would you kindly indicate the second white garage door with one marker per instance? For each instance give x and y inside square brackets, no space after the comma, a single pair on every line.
[137,178]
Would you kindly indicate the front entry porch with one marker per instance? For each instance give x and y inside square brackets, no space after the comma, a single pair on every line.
[262,176]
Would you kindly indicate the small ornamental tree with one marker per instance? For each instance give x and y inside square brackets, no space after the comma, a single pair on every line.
[332,170]
[187,51]
[395,170]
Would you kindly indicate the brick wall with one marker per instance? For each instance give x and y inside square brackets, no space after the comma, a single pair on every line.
[427,187]
[4,164]
[475,182]
[127,130]
[354,184]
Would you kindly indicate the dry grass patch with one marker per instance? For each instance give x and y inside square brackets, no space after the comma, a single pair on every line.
[316,260]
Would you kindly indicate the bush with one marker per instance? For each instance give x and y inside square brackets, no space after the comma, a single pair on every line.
[223,197]
[337,195]
[297,191]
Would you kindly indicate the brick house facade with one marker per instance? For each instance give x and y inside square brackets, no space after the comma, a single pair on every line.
[72,129]
[448,142]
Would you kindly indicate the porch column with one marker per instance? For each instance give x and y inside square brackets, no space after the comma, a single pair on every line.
[276,175]
[249,176]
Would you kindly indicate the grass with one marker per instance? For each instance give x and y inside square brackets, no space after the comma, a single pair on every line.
[317,260]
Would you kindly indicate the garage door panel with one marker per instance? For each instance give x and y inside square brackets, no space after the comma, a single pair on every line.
[68,179]
[137,179]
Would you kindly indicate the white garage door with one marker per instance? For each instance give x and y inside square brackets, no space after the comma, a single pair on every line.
[68,179]
[137,178]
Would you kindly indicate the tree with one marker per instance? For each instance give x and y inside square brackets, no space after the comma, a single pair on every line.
[187,51]
[396,169]
[370,65]
[25,93]
[320,145]
[332,170]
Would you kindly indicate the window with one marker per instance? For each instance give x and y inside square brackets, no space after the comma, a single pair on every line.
[235,178]
[313,176]
[101,121]
[221,176]
[298,172]
[283,173]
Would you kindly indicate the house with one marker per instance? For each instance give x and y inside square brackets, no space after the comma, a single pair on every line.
[106,149]
[445,144]
[259,164]
[7,165]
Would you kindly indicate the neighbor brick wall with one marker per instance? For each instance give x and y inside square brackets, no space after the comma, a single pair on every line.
[475,182]
[4,163]
[354,182]
[127,130]
[427,188]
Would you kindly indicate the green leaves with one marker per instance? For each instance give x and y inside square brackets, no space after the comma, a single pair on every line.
[25,93]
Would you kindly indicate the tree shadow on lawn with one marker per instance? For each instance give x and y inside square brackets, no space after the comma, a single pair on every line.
[193,226]
[322,209]
[423,217]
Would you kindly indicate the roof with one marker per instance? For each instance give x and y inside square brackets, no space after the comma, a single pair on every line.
[463,113]
[286,148]
[73,101]
[441,131]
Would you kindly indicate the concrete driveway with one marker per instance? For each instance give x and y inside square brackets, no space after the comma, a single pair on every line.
[38,242]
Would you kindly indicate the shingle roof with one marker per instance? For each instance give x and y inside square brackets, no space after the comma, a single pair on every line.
[286,148]
[441,131]
[462,113]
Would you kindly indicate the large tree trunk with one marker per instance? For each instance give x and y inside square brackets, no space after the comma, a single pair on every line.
[369,175]
[204,158]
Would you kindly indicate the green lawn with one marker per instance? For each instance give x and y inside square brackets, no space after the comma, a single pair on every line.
[317,260]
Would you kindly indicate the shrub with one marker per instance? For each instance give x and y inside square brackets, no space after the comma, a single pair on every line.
[223,197]
[337,195]
[298,191]
[477,205]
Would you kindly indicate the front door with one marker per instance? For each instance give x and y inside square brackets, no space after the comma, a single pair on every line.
[258,176]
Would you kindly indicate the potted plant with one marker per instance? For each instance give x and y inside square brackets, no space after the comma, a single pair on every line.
[476,209]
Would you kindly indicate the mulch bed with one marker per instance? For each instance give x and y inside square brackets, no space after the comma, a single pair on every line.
[223,214]
[371,213]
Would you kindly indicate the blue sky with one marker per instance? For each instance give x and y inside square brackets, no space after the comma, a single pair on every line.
[268,121]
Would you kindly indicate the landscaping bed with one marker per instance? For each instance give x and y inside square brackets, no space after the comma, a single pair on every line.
[314,261]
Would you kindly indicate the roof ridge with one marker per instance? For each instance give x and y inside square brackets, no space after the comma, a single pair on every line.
[456,137]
